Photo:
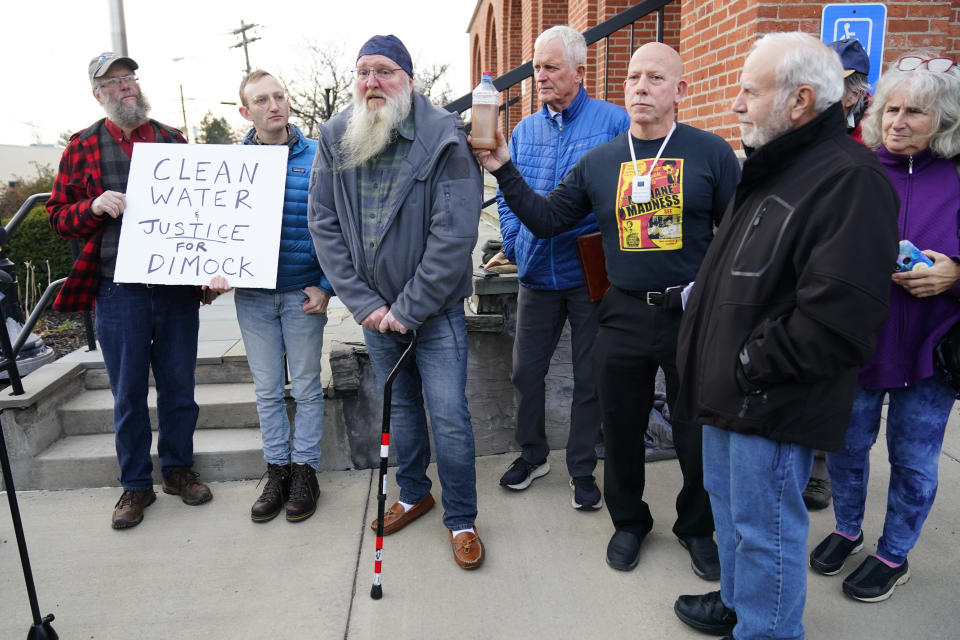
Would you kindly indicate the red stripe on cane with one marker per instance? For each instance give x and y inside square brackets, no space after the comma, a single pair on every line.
[385,439]
[376,566]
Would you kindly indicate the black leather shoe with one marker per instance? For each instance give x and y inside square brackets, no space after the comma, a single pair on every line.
[706,613]
[704,558]
[623,550]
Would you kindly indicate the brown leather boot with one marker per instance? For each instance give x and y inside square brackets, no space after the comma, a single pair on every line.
[128,512]
[185,482]
[304,491]
[275,493]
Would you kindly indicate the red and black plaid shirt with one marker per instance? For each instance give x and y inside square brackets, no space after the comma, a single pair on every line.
[77,184]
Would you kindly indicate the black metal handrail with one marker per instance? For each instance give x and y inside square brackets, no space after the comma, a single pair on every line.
[10,228]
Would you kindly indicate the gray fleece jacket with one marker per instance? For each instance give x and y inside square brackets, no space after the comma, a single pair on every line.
[423,264]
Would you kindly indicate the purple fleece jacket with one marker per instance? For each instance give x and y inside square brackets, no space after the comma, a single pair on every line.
[929,190]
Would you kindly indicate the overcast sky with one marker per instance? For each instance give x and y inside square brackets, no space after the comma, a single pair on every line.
[49,43]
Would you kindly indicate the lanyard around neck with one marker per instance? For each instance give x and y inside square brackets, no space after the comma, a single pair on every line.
[633,155]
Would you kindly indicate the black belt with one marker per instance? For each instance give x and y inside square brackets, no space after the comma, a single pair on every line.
[669,298]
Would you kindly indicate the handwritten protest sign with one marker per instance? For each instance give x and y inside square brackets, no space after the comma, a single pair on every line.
[199,210]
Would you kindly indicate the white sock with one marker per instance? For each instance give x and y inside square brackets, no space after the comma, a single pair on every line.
[459,531]
[406,505]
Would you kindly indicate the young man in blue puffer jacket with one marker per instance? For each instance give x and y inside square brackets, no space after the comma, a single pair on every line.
[288,319]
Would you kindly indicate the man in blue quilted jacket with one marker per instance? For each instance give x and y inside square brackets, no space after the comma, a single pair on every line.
[544,146]
[288,319]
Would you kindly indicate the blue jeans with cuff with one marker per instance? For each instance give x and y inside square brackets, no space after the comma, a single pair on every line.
[142,327]
[437,375]
[756,488]
[274,324]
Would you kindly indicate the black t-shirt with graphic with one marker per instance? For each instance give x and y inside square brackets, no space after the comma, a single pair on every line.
[648,246]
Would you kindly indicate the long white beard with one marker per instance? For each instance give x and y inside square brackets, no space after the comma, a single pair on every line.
[369,132]
[127,115]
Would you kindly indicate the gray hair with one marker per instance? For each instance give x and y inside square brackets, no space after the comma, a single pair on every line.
[934,90]
[574,45]
[804,60]
[853,84]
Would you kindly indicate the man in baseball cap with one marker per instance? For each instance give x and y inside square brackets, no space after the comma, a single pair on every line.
[855,99]
[140,327]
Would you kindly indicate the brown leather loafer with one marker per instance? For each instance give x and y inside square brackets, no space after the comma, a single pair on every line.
[128,512]
[467,549]
[185,482]
[395,518]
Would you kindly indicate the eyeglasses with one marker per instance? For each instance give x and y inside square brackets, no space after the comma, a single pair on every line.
[113,83]
[383,75]
[912,63]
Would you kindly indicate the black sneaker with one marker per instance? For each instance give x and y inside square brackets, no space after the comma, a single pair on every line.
[828,556]
[586,494]
[274,494]
[304,491]
[817,494]
[874,581]
[706,613]
[521,473]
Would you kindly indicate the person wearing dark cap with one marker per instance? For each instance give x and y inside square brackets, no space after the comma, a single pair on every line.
[855,100]
[140,327]
[856,68]
[394,206]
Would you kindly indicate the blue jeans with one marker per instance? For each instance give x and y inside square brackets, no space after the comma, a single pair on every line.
[916,421]
[439,376]
[142,327]
[273,324]
[755,488]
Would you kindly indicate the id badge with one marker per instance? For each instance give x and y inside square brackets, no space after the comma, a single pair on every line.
[640,191]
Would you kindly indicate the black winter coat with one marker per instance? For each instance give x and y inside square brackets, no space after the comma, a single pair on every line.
[798,276]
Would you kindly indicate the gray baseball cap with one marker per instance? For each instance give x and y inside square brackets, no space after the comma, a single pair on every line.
[102,63]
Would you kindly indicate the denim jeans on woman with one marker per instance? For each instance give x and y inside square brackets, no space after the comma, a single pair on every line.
[142,327]
[916,421]
[274,324]
[756,488]
[439,376]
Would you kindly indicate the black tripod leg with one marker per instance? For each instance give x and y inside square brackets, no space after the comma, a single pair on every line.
[41,629]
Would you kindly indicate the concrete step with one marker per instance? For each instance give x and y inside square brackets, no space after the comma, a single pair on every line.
[222,406]
[91,460]
[231,371]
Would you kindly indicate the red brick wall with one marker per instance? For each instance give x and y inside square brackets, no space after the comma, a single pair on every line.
[712,36]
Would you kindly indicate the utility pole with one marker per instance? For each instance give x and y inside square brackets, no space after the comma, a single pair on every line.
[119,30]
[244,40]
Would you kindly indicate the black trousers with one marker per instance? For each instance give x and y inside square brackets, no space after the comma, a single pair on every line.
[633,340]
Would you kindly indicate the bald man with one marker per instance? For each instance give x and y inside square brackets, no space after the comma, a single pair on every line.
[658,191]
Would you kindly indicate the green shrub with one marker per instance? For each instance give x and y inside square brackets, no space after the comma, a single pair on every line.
[34,248]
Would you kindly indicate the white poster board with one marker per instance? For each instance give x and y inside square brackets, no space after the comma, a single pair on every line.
[199,210]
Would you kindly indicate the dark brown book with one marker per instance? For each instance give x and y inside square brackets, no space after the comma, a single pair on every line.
[590,250]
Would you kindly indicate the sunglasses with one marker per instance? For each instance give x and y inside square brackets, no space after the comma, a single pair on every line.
[911,63]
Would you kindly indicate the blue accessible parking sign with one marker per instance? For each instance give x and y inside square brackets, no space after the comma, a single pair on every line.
[867,22]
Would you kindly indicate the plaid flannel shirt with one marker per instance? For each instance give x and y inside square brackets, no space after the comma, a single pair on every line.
[77,184]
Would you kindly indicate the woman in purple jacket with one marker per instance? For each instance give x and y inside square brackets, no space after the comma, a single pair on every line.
[914,124]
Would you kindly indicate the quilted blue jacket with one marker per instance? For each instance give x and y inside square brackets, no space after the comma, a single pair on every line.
[543,152]
[297,266]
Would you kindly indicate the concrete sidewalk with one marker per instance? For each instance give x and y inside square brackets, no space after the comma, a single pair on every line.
[209,572]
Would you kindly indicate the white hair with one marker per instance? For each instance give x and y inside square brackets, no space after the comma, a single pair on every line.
[804,60]
[937,91]
[574,45]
